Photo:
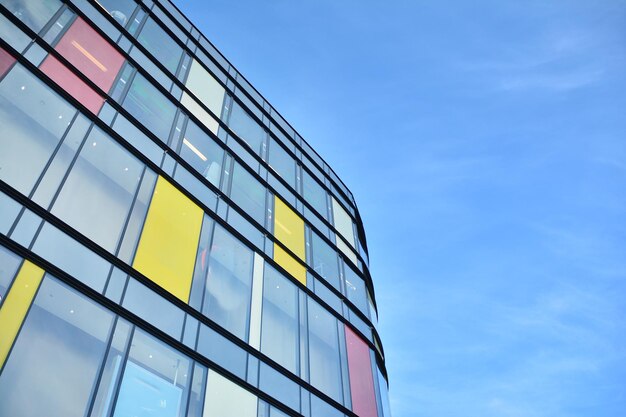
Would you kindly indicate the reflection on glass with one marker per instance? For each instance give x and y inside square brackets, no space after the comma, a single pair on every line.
[150,107]
[279,337]
[35,14]
[229,283]
[324,361]
[9,262]
[246,128]
[97,195]
[202,153]
[33,120]
[325,260]
[120,10]
[248,193]
[155,380]
[282,163]
[160,44]
[54,363]
[314,194]
[355,289]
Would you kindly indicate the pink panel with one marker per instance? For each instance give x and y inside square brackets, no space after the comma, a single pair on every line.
[361,379]
[6,60]
[77,88]
[91,54]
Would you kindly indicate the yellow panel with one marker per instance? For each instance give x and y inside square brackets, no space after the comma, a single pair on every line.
[289,228]
[16,305]
[169,240]
[290,264]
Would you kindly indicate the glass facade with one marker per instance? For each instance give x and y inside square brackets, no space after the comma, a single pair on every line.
[169,245]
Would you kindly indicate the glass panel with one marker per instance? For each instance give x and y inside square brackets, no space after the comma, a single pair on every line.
[361,379]
[279,386]
[198,111]
[343,222]
[355,289]
[64,336]
[150,107]
[229,283]
[32,121]
[90,53]
[99,190]
[282,163]
[120,10]
[324,361]
[196,396]
[203,153]
[314,194]
[35,14]
[320,408]
[63,251]
[222,351]
[154,309]
[248,193]
[325,260]
[9,209]
[155,380]
[246,127]
[12,35]
[279,337]
[160,44]
[384,394]
[9,262]
[224,398]
[205,87]
[71,83]
[169,240]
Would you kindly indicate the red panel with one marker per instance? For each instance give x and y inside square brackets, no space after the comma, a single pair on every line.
[6,60]
[61,75]
[91,54]
[361,379]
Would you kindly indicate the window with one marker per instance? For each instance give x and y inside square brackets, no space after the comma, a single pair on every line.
[361,379]
[324,359]
[35,14]
[246,127]
[150,107]
[355,289]
[290,264]
[71,83]
[90,53]
[169,240]
[120,10]
[248,193]
[155,378]
[279,322]
[33,120]
[343,222]
[160,45]
[205,87]
[229,283]
[9,262]
[99,190]
[325,261]
[64,336]
[224,398]
[314,194]
[282,163]
[202,153]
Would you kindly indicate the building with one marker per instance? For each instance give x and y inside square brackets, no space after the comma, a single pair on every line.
[169,245]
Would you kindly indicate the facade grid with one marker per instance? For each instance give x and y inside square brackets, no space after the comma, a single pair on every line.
[169,245]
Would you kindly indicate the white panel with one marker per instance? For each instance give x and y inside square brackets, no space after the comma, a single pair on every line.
[205,87]
[227,399]
[199,112]
[343,222]
[350,254]
[257,302]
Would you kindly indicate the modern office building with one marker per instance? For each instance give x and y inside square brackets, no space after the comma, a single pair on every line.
[169,245]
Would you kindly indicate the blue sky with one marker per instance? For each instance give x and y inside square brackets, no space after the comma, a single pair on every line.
[485,144]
